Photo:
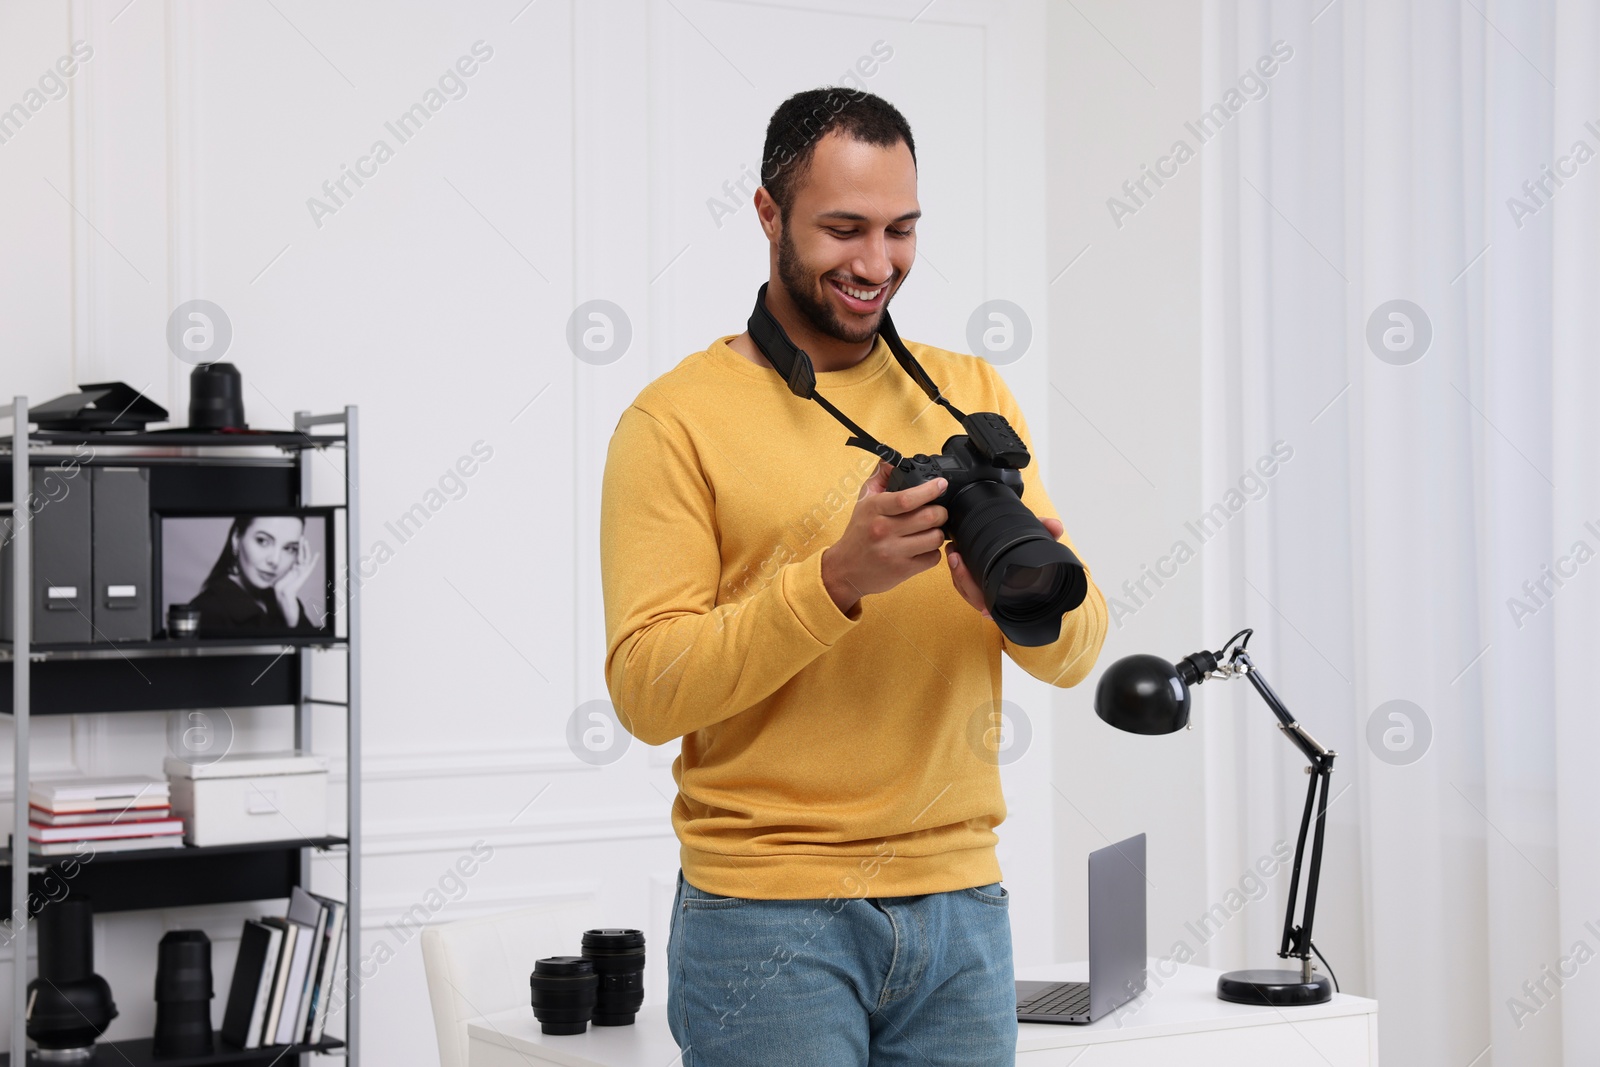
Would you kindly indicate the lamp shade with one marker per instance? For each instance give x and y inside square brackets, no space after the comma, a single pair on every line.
[1143,695]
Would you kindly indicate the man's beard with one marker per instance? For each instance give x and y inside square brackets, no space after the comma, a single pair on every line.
[797,281]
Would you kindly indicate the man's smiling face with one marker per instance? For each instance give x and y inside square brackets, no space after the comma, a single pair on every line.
[850,236]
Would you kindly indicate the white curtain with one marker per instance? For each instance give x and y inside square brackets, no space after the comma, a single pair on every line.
[1402,553]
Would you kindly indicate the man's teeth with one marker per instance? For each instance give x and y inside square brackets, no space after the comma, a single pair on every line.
[861,294]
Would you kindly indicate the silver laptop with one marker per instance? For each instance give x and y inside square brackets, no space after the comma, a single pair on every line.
[1116,944]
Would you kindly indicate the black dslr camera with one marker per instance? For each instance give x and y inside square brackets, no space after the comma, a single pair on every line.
[1030,580]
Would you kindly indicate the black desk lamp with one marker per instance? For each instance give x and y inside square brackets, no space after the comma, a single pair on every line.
[1147,695]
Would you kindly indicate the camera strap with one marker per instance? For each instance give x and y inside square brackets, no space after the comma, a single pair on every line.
[794,367]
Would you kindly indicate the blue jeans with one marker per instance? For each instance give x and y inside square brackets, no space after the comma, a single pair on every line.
[923,981]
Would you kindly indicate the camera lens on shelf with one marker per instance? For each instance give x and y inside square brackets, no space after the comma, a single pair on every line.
[69,1006]
[183,995]
[182,621]
[563,990]
[618,958]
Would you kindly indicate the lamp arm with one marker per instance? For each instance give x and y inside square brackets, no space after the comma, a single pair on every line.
[1296,940]
[1308,745]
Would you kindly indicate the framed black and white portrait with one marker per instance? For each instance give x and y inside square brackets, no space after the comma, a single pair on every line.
[257,574]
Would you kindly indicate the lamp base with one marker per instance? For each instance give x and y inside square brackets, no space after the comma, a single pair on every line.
[1275,987]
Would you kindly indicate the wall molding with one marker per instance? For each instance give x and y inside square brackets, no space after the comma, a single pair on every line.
[616,823]
[83,744]
[469,763]
[387,910]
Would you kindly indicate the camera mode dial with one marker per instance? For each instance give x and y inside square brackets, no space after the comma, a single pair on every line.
[914,470]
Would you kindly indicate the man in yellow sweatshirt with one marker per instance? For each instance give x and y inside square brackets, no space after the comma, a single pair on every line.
[772,604]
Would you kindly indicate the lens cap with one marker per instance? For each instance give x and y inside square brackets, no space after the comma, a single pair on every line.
[612,939]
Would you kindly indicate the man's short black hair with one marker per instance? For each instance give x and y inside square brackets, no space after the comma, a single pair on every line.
[802,120]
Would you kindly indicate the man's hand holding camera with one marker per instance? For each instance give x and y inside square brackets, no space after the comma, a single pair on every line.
[890,537]
[894,536]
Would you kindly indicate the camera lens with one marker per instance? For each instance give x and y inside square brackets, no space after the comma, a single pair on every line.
[183,995]
[1027,589]
[182,620]
[618,958]
[69,1006]
[563,989]
[1030,580]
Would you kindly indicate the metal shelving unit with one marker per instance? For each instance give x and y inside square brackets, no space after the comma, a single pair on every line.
[79,679]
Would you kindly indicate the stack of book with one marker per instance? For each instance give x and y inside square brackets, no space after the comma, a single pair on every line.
[111,814]
[283,982]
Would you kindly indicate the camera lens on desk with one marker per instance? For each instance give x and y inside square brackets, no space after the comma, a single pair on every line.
[618,958]
[563,989]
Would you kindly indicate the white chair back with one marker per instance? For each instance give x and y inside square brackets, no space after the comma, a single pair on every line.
[480,966]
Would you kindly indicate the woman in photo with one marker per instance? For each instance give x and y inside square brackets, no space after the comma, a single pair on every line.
[255,584]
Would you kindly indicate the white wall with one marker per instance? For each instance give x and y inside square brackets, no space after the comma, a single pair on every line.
[1125,309]
[578,166]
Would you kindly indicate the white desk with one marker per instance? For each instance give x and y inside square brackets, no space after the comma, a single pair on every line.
[1182,1021]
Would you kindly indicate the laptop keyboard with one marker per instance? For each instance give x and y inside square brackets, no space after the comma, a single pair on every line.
[1067,998]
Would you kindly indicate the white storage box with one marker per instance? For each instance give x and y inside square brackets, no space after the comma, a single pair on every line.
[245,798]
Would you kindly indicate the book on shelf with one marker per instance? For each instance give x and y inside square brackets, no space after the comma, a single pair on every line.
[71,795]
[105,807]
[280,982]
[299,964]
[332,953]
[251,991]
[279,994]
[115,844]
[305,908]
[45,817]
[98,831]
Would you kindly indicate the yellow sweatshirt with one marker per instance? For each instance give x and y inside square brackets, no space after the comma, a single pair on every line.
[823,754]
